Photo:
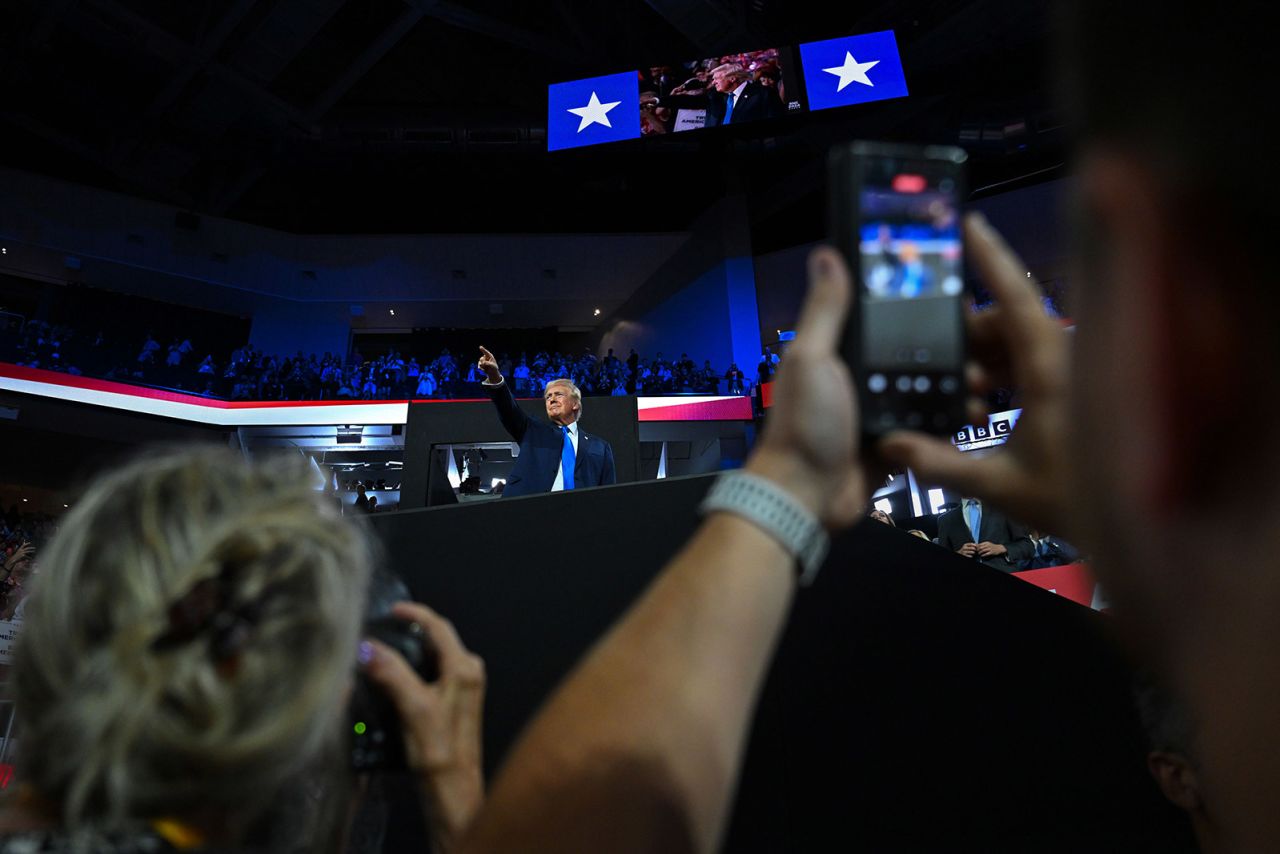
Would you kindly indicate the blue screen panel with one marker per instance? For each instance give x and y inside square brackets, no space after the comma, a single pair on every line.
[852,70]
[592,111]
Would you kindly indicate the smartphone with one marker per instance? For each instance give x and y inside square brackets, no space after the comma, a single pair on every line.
[895,214]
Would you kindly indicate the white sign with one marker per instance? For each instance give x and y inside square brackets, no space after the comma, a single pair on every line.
[690,120]
[8,637]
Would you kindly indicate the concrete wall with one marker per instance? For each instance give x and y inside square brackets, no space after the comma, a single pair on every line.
[137,246]
[702,301]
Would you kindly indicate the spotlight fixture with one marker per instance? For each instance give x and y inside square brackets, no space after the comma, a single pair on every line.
[596,313]
[393,312]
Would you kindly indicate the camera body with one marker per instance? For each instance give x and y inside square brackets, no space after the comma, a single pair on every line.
[376,741]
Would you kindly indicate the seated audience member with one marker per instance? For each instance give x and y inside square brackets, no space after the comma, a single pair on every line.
[426,384]
[978,531]
[881,516]
[182,676]
[149,348]
[710,378]
[1049,551]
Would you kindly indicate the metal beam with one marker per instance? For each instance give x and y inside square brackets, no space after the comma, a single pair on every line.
[466,19]
[389,38]
[164,44]
[203,55]
[97,157]
[154,115]
[705,23]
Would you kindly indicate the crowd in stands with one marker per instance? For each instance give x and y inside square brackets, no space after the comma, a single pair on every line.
[20,534]
[250,374]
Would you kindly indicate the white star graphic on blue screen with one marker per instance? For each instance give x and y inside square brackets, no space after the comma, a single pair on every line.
[852,71]
[594,113]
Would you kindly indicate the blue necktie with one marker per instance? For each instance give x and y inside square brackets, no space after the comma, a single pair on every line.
[728,108]
[567,458]
[975,519]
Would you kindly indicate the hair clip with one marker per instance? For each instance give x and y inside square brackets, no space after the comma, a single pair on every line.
[205,608]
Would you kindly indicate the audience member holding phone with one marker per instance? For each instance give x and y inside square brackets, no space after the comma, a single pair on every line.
[1155,445]
[186,661]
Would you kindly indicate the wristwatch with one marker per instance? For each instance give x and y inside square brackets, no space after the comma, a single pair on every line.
[771,509]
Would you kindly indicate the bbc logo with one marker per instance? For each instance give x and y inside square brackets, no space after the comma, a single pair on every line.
[999,429]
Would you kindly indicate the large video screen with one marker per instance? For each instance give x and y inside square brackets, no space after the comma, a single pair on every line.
[731,89]
[728,89]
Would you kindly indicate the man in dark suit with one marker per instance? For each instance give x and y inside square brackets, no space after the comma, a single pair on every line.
[735,98]
[553,456]
[1050,551]
[977,531]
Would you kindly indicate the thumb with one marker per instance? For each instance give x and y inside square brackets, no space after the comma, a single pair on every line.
[937,461]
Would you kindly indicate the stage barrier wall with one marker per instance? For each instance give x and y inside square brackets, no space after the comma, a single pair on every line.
[432,423]
[916,702]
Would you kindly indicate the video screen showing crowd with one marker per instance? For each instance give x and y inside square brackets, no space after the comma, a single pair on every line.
[729,89]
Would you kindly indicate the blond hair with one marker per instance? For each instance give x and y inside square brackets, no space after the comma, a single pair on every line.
[573,392]
[116,728]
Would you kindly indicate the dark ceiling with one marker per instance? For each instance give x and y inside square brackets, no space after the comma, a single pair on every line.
[370,116]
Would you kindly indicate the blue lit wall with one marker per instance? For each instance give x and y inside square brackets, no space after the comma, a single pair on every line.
[701,301]
[711,317]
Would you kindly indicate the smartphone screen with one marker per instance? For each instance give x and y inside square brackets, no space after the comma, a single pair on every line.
[911,270]
[900,218]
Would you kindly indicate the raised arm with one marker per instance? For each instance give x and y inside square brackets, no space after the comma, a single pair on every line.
[514,419]
[640,748]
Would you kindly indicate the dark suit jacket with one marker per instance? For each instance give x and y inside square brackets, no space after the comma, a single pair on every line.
[540,445]
[756,102]
[1057,553]
[953,532]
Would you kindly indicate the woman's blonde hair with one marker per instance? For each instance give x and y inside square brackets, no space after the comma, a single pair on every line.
[117,724]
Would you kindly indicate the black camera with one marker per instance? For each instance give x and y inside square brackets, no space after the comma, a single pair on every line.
[376,741]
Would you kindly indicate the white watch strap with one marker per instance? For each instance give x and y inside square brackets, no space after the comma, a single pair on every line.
[775,512]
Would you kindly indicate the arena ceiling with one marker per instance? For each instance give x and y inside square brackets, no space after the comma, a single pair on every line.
[374,116]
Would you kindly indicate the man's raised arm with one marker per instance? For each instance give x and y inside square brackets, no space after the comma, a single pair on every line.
[640,748]
[515,419]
